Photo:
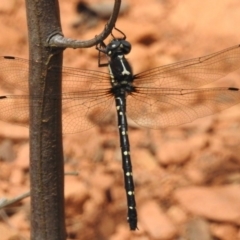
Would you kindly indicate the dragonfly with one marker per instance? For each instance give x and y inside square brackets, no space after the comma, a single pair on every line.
[157,98]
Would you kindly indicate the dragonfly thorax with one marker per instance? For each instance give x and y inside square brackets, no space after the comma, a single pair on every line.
[120,70]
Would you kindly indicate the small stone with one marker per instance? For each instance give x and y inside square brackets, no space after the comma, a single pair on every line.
[155,221]
[7,6]
[198,229]
[224,231]
[214,203]
[173,152]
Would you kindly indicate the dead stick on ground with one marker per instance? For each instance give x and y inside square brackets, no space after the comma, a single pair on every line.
[5,202]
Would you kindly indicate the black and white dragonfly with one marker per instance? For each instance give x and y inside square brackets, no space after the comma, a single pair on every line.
[163,96]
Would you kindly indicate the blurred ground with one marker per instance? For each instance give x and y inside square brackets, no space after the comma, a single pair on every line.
[187,177]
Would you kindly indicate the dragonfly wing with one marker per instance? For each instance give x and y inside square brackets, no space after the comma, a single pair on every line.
[80,80]
[80,112]
[14,74]
[85,110]
[86,95]
[191,73]
[15,109]
[158,108]
[86,99]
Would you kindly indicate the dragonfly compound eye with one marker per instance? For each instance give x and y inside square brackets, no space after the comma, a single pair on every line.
[125,46]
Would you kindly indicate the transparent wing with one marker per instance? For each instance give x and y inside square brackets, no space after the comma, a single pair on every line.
[80,80]
[78,111]
[14,76]
[82,111]
[15,109]
[191,73]
[86,95]
[158,108]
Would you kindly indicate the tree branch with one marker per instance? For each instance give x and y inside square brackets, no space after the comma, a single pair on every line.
[46,150]
[56,39]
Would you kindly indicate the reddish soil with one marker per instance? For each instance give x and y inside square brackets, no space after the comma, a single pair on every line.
[187,178]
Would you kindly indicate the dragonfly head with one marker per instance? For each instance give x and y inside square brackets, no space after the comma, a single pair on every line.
[118,46]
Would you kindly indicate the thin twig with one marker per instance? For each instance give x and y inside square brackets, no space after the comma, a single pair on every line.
[58,40]
[4,202]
